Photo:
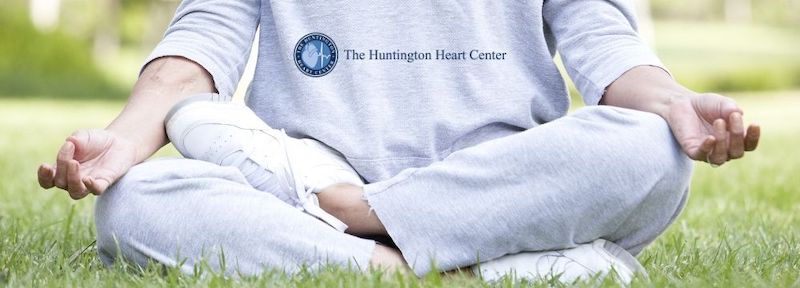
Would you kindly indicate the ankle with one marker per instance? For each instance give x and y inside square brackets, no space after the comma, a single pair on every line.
[346,202]
[388,258]
[339,199]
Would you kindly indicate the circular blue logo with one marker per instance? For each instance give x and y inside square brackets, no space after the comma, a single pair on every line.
[315,55]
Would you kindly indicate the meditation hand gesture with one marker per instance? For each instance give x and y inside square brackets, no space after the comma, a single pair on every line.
[89,161]
[709,127]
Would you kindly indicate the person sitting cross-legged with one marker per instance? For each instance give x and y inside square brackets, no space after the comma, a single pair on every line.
[358,126]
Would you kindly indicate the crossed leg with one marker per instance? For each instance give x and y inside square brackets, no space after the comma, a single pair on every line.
[600,173]
[181,212]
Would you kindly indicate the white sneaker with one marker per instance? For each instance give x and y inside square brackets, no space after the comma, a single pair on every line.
[230,134]
[582,262]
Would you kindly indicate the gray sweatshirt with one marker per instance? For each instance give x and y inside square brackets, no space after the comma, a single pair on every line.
[400,84]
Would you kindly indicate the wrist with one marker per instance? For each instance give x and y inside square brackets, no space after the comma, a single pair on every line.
[132,139]
[670,100]
[648,89]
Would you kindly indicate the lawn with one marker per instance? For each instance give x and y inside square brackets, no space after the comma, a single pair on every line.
[740,227]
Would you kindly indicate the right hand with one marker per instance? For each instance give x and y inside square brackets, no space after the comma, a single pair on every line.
[89,162]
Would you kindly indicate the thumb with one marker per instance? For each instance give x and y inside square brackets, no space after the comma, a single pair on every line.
[86,144]
[95,186]
[98,181]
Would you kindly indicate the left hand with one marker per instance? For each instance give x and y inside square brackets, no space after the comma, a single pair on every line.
[709,127]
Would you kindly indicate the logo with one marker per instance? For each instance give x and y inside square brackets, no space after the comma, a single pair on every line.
[315,55]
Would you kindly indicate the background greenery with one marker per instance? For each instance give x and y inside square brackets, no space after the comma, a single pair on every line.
[47,63]
[740,227]
[703,48]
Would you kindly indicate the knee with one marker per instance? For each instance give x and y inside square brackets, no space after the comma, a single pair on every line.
[645,145]
[148,178]
[124,213]
[661,154]
[119,211]
[651,171]
[116,213]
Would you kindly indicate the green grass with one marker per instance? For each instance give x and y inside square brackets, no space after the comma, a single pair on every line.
[740,227]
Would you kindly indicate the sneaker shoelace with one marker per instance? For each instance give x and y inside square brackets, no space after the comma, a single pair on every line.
[306,196]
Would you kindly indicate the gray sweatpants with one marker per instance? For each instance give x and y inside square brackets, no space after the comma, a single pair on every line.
[599,172]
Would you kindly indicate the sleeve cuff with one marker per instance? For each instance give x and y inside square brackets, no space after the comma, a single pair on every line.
[222,83]
[594,83]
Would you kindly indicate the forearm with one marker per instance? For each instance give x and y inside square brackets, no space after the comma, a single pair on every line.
[645,88]
[164,82]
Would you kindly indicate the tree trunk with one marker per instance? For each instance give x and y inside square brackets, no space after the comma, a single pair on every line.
[106,36]
[738,11]
[159,15]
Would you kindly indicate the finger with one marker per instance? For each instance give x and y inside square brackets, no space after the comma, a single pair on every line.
[705,149]
[752,137]
[46,175]
[74,184]
[96,185]
[62,161]
[100,178]
[79,139]
[736,143]
[720,153]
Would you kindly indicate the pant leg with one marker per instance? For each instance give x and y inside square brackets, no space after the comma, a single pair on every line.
[178,210]
[600,172]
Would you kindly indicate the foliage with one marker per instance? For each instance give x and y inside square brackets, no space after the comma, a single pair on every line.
[739,228]
[784,13]
[713,56]
[703,53]
[34,63]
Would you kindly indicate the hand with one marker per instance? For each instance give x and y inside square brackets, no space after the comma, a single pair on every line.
[89,161]
[709,128]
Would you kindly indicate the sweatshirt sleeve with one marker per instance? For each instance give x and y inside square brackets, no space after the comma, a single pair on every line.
[217,34]
[598,41]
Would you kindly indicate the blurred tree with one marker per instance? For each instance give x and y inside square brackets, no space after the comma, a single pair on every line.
[106,35]
[784,13]
[738,11]
[794,5]
[46,64]
[152,19]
